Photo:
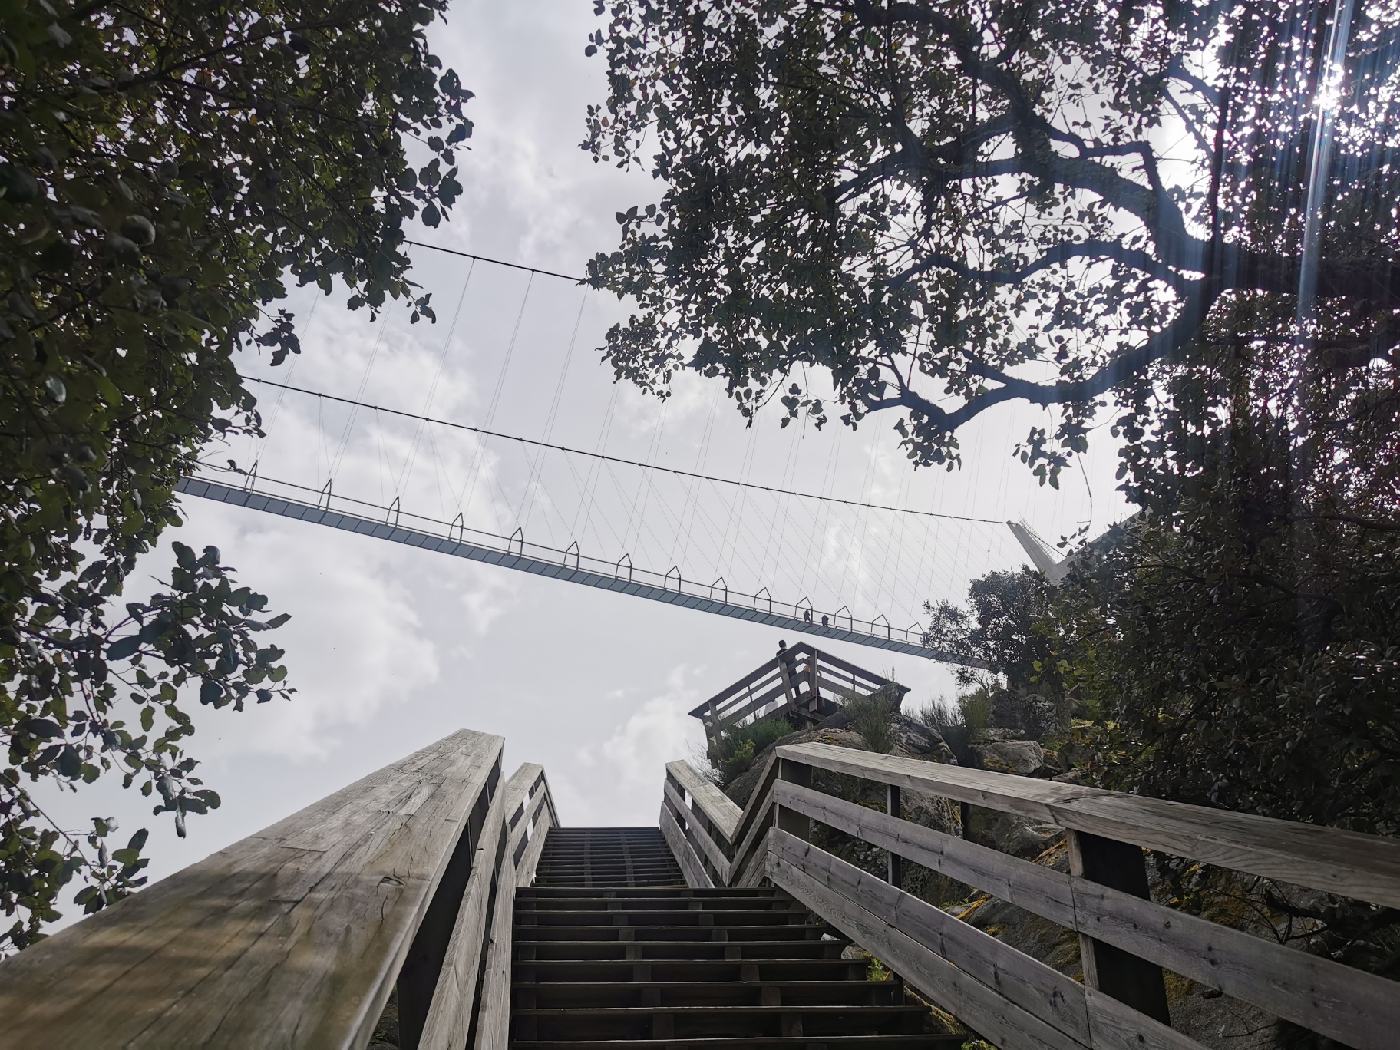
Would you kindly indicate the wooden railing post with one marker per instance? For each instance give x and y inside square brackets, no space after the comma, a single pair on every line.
[799,825]
[1113,971]
[894,863]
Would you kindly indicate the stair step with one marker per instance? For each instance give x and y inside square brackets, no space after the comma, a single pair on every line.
[617,892]
[667,1022]
[650,932]
[684,950]
[655,903]
[707,917]
[634,993]
[829,1042]
[688,970]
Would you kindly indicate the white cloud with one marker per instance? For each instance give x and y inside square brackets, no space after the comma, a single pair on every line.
[355,643]
[657,732]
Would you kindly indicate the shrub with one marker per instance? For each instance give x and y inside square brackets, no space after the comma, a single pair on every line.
[872,717]
[956,721]
[732,752]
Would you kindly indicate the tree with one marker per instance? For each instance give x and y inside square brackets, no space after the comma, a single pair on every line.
[164,168]
[948,206]
[1003,626]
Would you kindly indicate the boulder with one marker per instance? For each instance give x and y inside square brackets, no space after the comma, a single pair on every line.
[1009,833]
[1023,757]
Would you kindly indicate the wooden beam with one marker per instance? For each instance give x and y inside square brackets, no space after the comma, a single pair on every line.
[696,835]
[695,875]
[1007,997]
[1347,863]
[1358,1008]
[530,811]
[1110,969]
[448,1022]
[719,809]
[291,937]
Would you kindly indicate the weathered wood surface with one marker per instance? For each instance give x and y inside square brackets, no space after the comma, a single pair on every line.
[1322,995]
[454,998]
[292,937]
[695,833]
[525,811]
[1009,998]
[1350,864]
[717,807]
[695,874]
[1112,970]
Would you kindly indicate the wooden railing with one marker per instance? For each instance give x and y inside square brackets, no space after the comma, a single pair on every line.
[808,683]
[1126,940]
[296,936]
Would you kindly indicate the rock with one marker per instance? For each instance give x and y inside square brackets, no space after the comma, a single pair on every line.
[1023,757]
[1011,834]
[993,735]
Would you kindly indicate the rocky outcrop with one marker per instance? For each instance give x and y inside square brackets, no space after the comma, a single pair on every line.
[1025,758]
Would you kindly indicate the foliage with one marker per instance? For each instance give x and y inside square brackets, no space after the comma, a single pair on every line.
[872,716]
[163,168]
[1003,626]
[948,206]
[958,722]
[733,751]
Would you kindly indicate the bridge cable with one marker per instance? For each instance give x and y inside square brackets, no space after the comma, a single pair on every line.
[406,471]
[495,400]
[623,461]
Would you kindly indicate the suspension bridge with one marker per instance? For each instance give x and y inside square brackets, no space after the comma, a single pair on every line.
[854,566]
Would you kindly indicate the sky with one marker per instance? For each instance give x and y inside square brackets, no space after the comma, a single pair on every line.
[391,648]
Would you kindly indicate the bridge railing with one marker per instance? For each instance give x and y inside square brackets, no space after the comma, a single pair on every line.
[322,506]
[297,935]
[1126,939]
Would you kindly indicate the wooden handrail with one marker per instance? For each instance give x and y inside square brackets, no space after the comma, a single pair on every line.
[1012,999]
[530,813]
[1347,863]
[297,935]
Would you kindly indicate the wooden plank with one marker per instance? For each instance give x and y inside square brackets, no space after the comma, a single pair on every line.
[695,874]
[894,807]
[1317,993]
[1036,988]
[525,794]
[454,998]
[291,937]
[790,820]
[983,1009]
[718,807]
[1357,1008]
[519,790]
[991,1009]
[1025,796]
[493,1013]
[1112,970]
[728,720]
[752,676]
[1038,889]
[1347,863]
[854,671]
[525,870]
[697,835]
[753,872]
[757,816]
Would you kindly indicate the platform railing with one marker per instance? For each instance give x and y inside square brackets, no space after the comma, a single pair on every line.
[808,682]
[297,935]
[1126,940]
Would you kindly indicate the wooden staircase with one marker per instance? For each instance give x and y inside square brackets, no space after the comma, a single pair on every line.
[612,949]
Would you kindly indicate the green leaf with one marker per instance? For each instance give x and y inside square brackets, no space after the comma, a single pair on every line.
[123,648]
